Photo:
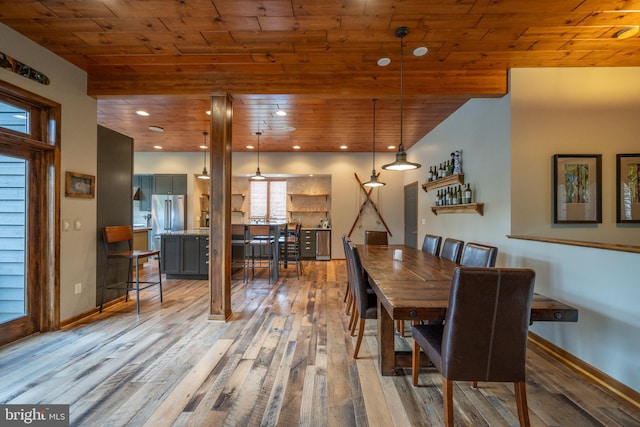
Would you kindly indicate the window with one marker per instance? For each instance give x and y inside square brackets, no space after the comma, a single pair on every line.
[268,199]
[14,118]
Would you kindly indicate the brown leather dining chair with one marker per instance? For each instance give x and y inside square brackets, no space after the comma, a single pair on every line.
[484,336]
[375,237]
[431,244]
[118,244]
[477,255]
[366,306]
[451,249]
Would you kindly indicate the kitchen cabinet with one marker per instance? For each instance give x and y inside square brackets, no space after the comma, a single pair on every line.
[185,256]
[144,183]
[308,243]
[169,184]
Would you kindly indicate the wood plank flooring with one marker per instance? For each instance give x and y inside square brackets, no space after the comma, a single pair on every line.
[284,360]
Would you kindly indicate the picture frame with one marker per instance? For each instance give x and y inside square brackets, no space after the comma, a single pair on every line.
[577,188]
[79,185]
[627,188]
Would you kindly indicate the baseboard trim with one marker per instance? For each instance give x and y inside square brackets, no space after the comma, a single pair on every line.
[67,323]
[585,370]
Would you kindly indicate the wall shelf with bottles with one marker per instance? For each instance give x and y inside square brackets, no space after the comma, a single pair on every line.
[238,194]
[444,182]
[460,208]
[309,211]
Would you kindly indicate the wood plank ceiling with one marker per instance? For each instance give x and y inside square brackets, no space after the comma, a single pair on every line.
[317,60]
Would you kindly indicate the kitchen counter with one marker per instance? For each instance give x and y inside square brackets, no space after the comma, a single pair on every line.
[141,229]
[192,232]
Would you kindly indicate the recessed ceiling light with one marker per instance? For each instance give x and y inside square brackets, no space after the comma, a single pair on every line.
[281,113]
[420,51]
[391,147]
[209,112]
[296,147]
[204,147]
[626,33]
[142,113]
[383,62]
[157,147]
[156,128]
[343,147]
[250,147]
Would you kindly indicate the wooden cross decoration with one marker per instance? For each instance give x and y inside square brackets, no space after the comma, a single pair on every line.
[367,194]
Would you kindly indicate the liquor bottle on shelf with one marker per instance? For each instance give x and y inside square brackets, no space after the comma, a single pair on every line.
[438,198]
[460,194]
[454,197]
[430,174]
[467,194]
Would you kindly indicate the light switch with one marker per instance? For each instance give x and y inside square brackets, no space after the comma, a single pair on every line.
[77,224]
[66,225]
[424,221]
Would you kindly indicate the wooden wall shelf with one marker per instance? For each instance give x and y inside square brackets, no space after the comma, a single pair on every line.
[310,211]
[444,182]
[238,194]
[292,195]
[465,208]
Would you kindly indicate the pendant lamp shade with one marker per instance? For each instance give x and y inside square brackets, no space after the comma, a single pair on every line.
[204,174]
[373,181]
[258,176]
[401,163]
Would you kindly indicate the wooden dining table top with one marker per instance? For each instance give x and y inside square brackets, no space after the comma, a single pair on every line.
[418,286]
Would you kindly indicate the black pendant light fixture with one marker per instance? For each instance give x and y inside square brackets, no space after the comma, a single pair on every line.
[401,163]
[373,181]
[258,176]
[204,174]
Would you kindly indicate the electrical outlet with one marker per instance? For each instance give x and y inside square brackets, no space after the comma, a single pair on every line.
[77,224]
[78,288]
[66,225]
[424,221]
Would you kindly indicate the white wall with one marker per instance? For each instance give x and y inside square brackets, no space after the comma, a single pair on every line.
[507,145]
[346,195]
[79,134]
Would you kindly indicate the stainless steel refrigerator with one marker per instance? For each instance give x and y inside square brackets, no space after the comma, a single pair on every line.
[168,213]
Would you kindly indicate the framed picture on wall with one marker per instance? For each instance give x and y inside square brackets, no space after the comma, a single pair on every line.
[627,188]
[577,185]
[80,185]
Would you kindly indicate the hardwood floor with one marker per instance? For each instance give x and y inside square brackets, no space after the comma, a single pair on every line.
[285,359]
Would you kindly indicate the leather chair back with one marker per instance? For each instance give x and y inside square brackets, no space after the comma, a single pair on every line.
[364,302]
[477,255]
[431,244]
[375,237]
[486,325]
[451,249]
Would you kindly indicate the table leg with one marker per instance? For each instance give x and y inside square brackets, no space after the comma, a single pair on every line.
[386,343]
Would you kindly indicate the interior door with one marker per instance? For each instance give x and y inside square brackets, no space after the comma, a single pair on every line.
[411,215]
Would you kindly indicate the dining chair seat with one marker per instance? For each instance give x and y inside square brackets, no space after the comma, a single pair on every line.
[431,244]
[451,249]
[484,335]
[375,237]
[477,255]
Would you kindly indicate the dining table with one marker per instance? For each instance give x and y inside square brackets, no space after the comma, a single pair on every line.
[416,288]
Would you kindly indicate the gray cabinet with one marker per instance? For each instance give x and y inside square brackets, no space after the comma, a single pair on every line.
[145,185]
[185,256]
[169,184]
[308,243]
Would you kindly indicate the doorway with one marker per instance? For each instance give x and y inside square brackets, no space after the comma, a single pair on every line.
[29,242]
[411,215]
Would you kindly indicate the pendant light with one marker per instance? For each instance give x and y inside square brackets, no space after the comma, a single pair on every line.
[204,174]
[258,176]
[401,163]
[373,181]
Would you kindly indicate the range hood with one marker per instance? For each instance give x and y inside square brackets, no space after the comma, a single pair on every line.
[136,193]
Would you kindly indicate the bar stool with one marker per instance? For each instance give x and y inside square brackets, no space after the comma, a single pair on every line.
[290,247]
[260,239]
[239,239]
[114,236]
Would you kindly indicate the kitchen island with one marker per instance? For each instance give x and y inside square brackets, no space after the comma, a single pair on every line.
[185,254]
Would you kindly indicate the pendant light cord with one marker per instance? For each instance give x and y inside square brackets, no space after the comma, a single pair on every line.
[401,148]
[374,134]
